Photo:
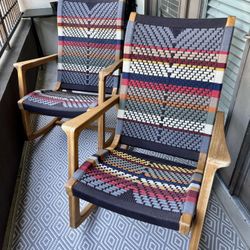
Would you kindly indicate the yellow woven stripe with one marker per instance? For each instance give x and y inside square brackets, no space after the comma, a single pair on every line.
[152,164]
[134,179]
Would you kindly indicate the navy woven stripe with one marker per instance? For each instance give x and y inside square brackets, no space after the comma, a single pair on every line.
[174,81]
[90,40]
[181,23]
[124,207]
[184,153]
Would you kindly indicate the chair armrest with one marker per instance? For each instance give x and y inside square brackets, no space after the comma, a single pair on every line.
[218,157]
[110,69]
[102,75]
[218,154]
[22,67]
[73,128]
[33,63]
[77,124]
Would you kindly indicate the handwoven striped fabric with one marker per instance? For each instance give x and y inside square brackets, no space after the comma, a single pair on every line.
[147,188]
[172,78]
[171,83]
[90,39]
[59,103]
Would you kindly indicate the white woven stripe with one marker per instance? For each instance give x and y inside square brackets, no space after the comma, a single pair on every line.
[79,68]
[96,33]
[168,122]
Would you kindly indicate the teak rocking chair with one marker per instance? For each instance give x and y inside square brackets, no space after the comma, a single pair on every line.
[90,34]
[171,83]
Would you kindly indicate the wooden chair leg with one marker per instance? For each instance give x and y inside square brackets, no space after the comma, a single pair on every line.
[204,195]
[26,123]
[111,138]
[42,131]
[101,134]
[75,214]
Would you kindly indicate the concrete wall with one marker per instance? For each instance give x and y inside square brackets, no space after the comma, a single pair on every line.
[239,121]
[47,32]
[33,4]
[23,47]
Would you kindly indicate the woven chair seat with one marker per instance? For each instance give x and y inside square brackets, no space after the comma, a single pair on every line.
[58,103]
[140,186]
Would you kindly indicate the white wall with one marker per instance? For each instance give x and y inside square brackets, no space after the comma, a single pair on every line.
[33,4]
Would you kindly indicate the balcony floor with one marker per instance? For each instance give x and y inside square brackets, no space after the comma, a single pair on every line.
[40,209]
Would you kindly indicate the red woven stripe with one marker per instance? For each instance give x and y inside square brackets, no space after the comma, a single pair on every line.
[138,188]
[191,196]
[172,88]
[93,45]
[175,61]
[178,49]
[85,166]
[89,18]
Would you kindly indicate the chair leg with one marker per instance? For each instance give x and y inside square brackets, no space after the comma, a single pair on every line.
[42,131]
[75,214]
[101,132]
[204,195]
[26,123]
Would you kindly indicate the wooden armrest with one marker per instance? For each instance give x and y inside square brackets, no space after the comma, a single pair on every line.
[73,127]
[33,63]
[77,124]
[110,69]
[218,154]
[22,67]
[102,75]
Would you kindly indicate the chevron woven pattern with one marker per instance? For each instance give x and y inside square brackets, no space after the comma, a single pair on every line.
[59,103]
[138,180]
[172,79]
[171,83]
[90,39]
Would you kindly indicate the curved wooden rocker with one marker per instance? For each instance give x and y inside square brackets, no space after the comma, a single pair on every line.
[78,71]
[23,67]
[167,105]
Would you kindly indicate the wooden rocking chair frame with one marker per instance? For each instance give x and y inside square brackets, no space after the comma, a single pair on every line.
[23,67]
[218,157]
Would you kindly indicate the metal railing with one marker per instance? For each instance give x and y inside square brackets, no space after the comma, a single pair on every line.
[10,16]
